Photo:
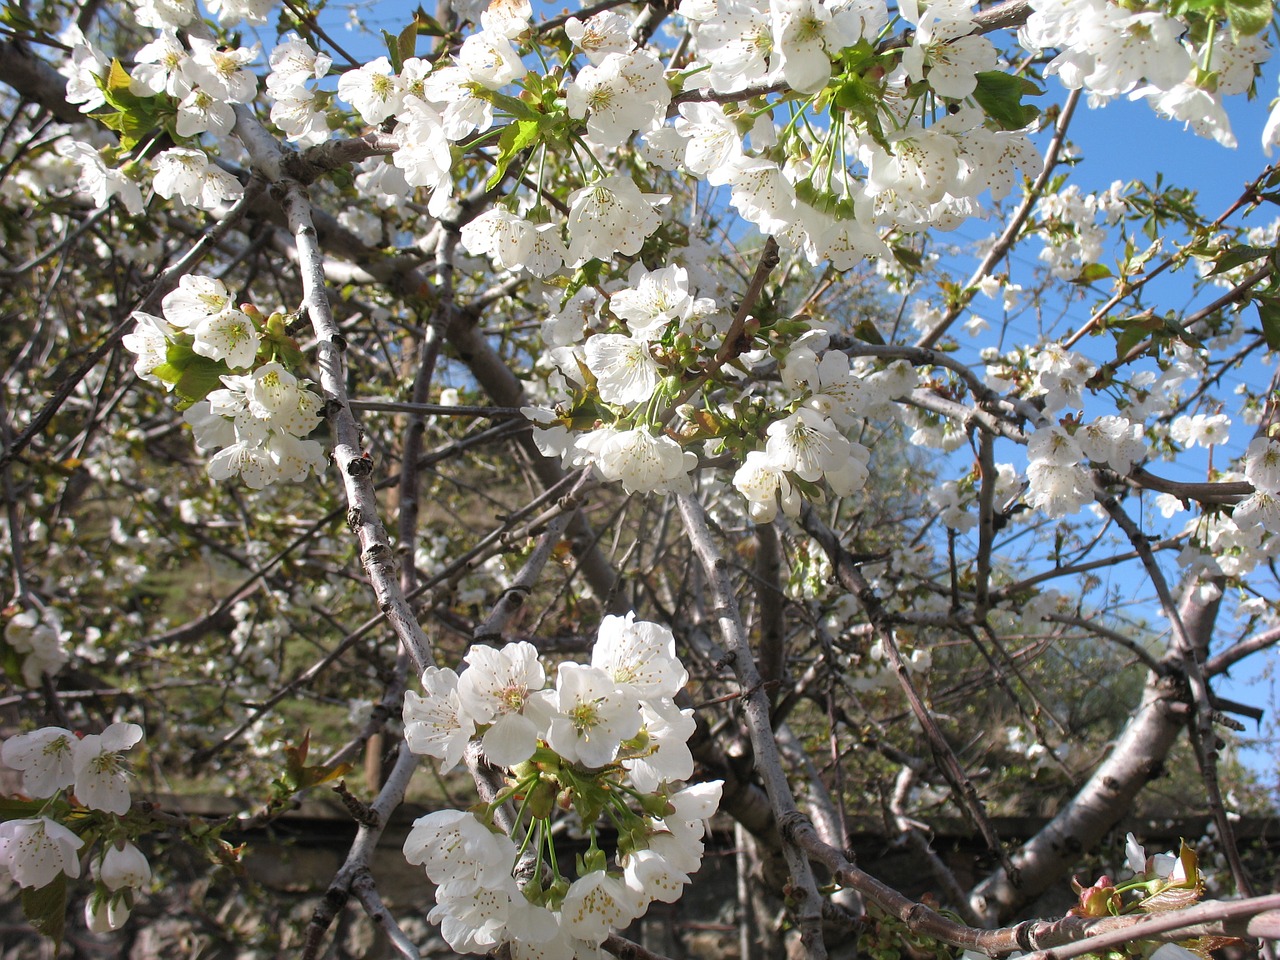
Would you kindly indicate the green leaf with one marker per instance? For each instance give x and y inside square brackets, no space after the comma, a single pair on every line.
[907,257]
[428,25]
[508,104]
[11,809]
[194,377]
[586,275]
[14,16]
[1233,257]
[11,663]
[1000,96]
[515,137]
[117,78]
[1092,272]
[299,776]
[46,908]
[407,42]
[132,126]
[1248,17]
[1132,331]
[1269,314]
[201,377]
[866,331]
[393,49]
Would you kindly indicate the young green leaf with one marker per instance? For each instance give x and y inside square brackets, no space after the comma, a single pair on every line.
[1000,96]
[46,908]
[515,137]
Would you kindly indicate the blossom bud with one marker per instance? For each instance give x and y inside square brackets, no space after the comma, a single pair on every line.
[105,914]
[124,867]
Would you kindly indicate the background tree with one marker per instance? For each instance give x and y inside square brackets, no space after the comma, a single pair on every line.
[613,381]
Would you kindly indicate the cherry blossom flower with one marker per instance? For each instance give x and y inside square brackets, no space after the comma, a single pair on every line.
[495,688]
[452,845]
[805,32]
[223,73]
[607,217]
[652,877]
[229,335]
[1115,441]
[945,50]
[38,637]
[712,139]
[202,112]
[653,300]
[1261,508]
[597,901]
[489,59]
[735,42]
[161,67]
[195,300]
[640,655]
[645,463]
[275,395]
[294,459]
[230,12]
[591,715]
[294,61]
[45,757]
[624,369]
[84,72]
[373,90]
[1203,430]
[624,93]
[102,778]
[105,914]
[99,181]
[666,758]
[1262,464]
[474,919]
[424,154]
[188,175]
[761,479]
[36,851]
[807,444]
[164,13]
[598,36]
[437,725]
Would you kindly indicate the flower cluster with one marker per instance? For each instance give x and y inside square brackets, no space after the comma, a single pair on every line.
[1162,882]
[605,743]
[36,637]
[259,420]
[74,774]
[258,423]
